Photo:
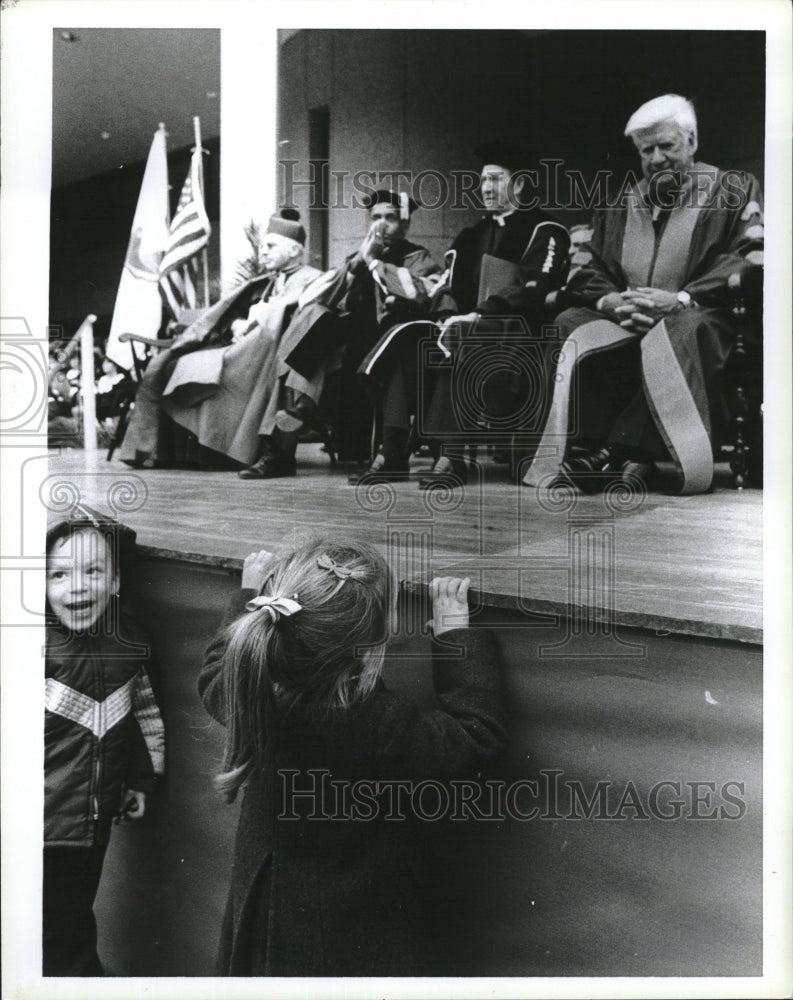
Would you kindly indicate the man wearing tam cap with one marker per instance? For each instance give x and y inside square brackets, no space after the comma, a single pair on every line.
[386,281]
[219,393]
[651,329]
[502,270]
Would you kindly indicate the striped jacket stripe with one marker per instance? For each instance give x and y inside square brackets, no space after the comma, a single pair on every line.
[98,716]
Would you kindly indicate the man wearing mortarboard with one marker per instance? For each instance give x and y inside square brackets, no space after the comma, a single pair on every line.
[502,269]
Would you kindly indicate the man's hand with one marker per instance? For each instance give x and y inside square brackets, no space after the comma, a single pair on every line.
[613,306]
[133,805]
[238,328]
[373,245]
[449,596]
[639,309]
[255,568]
[648,306]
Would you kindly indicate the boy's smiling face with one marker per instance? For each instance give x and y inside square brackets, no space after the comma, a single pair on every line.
[80,579]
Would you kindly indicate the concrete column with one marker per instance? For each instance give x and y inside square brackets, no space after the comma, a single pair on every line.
[248,91]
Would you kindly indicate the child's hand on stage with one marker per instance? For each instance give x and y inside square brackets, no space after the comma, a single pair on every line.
[254,569]
[449,596]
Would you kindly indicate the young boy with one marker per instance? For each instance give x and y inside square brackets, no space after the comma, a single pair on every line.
[103,735]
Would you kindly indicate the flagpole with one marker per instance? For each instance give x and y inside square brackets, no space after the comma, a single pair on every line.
[204,257]
[87,385]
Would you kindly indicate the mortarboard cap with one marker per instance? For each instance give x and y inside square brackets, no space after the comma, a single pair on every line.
[503,154]
[406,205]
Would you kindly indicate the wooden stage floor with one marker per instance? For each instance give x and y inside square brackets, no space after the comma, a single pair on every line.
[687,565]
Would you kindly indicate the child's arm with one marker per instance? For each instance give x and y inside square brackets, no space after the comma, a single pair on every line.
[470,725]
[146,757]
[254,573]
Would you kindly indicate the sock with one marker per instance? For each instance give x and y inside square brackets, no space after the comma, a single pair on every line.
[394,446]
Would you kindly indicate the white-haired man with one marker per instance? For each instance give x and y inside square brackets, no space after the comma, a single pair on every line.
[651,322]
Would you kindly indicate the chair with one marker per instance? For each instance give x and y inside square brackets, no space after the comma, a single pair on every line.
[745,376]
[126,401]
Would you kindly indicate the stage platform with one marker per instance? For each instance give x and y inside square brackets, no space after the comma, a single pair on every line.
[668,697]
[682,565]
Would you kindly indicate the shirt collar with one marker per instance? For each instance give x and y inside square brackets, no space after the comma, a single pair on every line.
[501,217]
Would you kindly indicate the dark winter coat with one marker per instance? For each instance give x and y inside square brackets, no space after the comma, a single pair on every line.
[102,727]
[313,895]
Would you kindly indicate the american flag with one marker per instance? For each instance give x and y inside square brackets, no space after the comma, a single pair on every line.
[187,236]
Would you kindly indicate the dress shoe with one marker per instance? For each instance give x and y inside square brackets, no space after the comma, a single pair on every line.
[447,473]
[379,471]
[269,468]
[589,472]
[633,473]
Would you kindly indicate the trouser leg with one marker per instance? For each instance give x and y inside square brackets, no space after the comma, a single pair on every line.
[71,879]
[142,436]
[635,434]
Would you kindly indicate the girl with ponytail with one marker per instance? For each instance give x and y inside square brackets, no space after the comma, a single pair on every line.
[324,876]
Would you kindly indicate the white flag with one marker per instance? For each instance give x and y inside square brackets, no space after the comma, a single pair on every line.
[138,307]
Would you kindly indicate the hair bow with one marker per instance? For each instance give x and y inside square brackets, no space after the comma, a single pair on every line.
[340,572]
[274,606]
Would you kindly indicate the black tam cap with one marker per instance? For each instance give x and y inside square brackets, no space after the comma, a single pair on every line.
[406,205]
[503,154]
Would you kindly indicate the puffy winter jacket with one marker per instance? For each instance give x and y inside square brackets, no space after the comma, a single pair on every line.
[102,728]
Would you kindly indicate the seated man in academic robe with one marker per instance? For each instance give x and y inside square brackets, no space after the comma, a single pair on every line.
[639,376]
[500,272]
[386,280]
[218,390]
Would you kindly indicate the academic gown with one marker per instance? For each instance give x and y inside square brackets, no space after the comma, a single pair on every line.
[530,250]
[150,434]
[222,394]
[674,403]
[336,327]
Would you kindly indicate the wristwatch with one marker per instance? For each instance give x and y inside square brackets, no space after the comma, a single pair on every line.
[685,300]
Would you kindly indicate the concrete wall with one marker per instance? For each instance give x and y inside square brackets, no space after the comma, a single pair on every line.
[554,896]
[421,100]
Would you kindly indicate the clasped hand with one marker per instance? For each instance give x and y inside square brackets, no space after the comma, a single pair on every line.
[374,243]
[639,309]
